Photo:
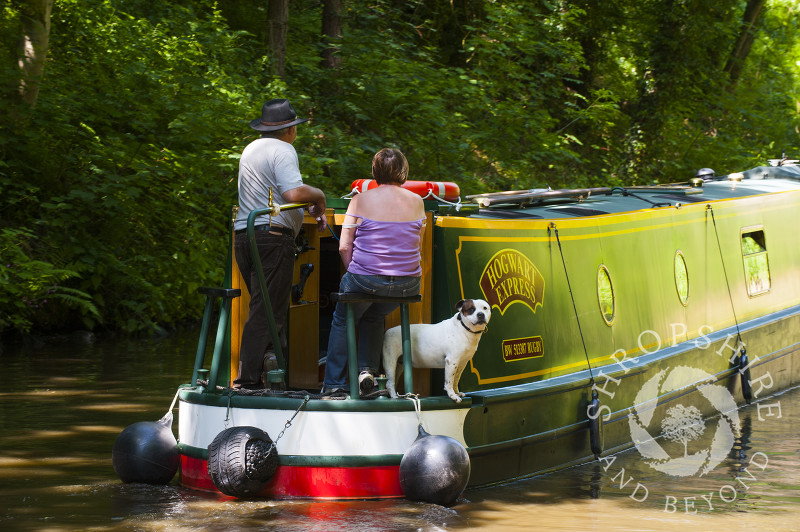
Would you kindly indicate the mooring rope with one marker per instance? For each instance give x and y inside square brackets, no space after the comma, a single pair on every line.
[168,415]
[725,272]
[417,405]
[574,308]
[457,204]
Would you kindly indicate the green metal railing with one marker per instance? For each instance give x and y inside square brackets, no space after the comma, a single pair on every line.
[279,375]
[227,295]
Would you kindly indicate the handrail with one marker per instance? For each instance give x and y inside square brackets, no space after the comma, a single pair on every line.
[226,294]
[222,340]
[251,239]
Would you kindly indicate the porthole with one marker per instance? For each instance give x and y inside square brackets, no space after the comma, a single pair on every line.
[605,294]
[681,278]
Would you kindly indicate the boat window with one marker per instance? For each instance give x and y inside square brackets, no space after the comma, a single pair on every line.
[681,277]
[756,265]
[605,294]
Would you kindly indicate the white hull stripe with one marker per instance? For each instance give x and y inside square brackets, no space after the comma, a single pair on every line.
[321,433]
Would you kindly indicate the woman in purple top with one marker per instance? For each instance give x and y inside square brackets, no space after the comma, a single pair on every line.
[380,246]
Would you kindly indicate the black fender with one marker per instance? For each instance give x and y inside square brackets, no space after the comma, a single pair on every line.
[241,460]
[146,452]
[434,469]
[595,425]
[744,372]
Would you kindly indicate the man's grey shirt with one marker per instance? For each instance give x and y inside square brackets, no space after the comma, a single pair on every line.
[268,162]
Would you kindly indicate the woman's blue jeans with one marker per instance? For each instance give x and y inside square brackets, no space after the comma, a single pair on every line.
[369,318]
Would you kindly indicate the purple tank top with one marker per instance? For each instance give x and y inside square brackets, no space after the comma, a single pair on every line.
[386,248]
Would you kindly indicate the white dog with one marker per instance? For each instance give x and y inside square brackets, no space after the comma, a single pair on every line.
[449,344]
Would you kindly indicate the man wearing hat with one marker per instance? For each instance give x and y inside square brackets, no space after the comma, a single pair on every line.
[270,162]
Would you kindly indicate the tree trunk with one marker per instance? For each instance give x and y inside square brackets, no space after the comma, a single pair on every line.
[459,15]
[331,32]
[32,48]
[747,34]
[278,27]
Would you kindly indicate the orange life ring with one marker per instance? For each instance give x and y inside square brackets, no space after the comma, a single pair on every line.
[445,190]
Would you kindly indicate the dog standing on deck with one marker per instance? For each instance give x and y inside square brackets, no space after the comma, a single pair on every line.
[449,344]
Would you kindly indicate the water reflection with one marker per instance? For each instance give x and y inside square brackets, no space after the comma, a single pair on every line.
[739,452]
[61,408]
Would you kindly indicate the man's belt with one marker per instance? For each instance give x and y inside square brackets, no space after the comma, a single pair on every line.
[271,228]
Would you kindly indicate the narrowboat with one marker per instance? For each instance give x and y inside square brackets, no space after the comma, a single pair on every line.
[610,308]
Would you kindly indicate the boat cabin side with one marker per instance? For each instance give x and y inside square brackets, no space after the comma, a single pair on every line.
[651,263]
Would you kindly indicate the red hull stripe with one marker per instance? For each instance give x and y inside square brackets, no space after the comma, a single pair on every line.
[373,482]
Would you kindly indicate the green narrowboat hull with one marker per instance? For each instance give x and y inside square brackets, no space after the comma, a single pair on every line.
[654,299]
[531,429]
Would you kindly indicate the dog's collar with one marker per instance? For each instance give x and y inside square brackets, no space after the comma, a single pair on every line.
[468,329]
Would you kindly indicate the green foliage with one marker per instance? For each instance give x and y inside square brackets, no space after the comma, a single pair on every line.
[115,189]
[762,111]
[32,288]
[453,122]
[126,162]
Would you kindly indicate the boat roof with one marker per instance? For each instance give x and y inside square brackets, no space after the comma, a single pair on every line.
[573,203]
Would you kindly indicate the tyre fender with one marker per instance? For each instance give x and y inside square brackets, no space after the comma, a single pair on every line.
[595,426]
[241,460]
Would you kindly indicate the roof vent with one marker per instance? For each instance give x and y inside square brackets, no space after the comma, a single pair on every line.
[706,174]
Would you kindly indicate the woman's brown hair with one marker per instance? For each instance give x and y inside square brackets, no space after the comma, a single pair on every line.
[389,166]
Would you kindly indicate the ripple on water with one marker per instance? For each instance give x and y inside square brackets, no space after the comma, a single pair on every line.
[63,407]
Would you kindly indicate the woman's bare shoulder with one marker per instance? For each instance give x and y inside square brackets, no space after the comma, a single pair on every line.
[415,202]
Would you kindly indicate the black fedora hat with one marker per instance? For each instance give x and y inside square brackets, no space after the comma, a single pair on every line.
[275,115]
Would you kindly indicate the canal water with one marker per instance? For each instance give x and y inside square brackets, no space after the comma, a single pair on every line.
[62,404]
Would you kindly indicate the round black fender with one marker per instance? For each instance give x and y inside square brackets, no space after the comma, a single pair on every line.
[595,425]
[744,372]
[146,452]
[241,460]
[434,469]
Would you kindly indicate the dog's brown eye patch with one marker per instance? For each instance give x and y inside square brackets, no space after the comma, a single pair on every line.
[468,308]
